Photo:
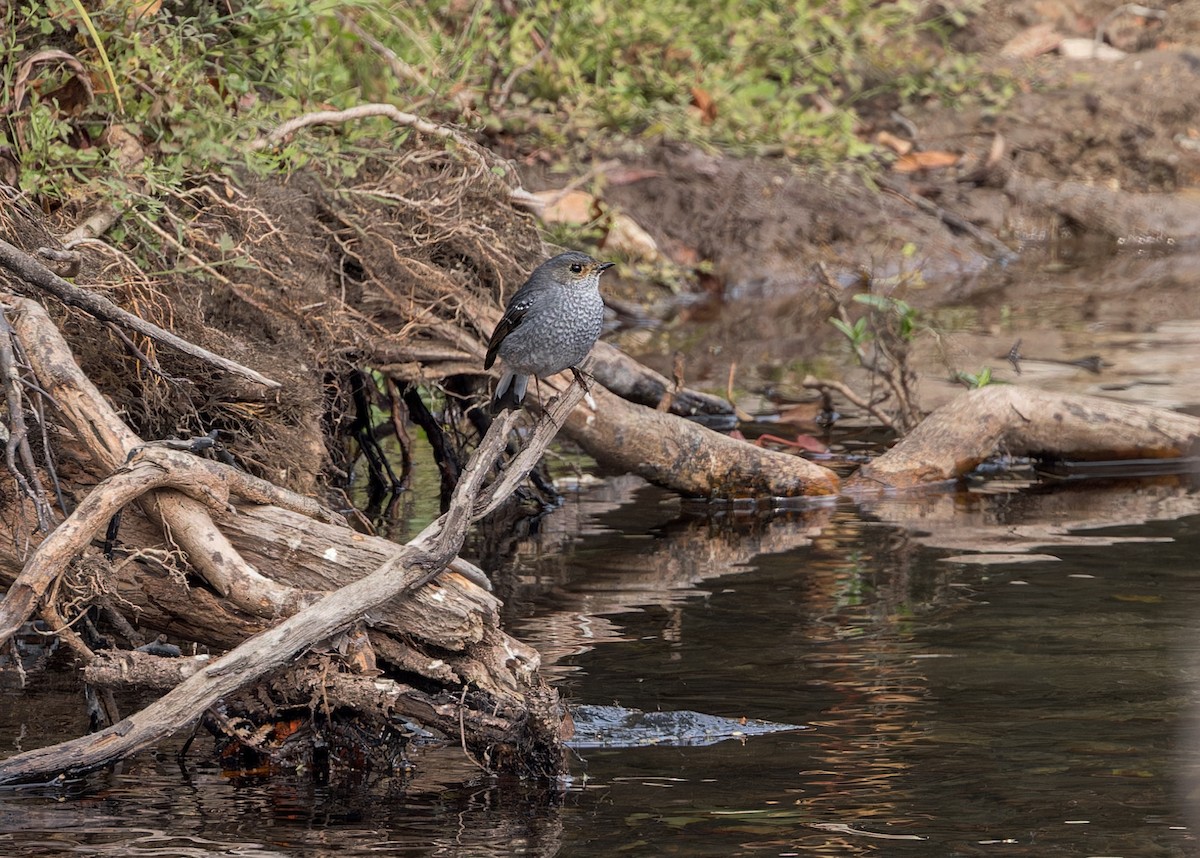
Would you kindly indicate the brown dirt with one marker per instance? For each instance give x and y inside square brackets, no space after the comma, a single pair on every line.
[341,281]
[764,226]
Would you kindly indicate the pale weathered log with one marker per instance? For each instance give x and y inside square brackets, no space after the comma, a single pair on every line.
[130,669]
[676,453]
[666,449]
[1139,219]
[1019,421]
[109,441]
[630,380]
[411,567]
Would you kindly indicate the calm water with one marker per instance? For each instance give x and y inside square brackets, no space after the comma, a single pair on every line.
[956,708]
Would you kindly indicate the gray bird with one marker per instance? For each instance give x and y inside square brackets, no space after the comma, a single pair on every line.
[550,324]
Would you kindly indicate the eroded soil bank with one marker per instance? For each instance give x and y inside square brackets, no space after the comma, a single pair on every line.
[1089,170]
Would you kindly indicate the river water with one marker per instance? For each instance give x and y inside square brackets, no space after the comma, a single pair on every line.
[1008,668]
[1040,703]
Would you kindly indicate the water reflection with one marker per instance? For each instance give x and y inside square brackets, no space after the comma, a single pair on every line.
[1029,709]
[1035,707]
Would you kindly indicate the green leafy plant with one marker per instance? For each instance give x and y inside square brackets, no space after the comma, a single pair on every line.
[976,380]
[880,340]
[197,82]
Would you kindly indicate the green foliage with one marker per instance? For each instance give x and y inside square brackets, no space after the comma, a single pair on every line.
[195,82]
[881,341]
[902,321]
[976,380]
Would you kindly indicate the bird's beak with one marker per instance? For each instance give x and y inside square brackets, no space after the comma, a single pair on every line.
[604,266]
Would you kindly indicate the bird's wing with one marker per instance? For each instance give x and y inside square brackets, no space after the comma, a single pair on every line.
[512,317]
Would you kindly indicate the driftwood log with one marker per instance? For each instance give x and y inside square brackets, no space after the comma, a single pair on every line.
[1019,421]
[445,632]
[688,457]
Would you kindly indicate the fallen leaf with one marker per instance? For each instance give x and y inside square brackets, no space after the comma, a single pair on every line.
[897,144]
[144,9]
[703,102]
[914,162]
[572,207]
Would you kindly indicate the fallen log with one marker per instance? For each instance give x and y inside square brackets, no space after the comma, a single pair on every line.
[686,457]
[534,721]
[1138,220]
[1019,421]
[630,380]
[447,633]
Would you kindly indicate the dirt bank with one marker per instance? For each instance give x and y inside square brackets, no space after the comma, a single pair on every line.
[1121,130]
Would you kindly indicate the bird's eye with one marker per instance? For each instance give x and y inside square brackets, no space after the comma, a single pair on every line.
[576,268]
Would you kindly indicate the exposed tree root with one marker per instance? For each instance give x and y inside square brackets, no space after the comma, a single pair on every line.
[457,620]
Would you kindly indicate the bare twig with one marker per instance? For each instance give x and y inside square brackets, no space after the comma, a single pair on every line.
[824,385]
[999,249]
[17,442]
[363,111]
[401,69]
[31,272]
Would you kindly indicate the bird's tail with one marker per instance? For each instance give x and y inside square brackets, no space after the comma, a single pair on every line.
[510,392]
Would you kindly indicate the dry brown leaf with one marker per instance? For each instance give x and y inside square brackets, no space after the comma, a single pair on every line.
[704,103]
[144,8]
[899,145]
[25,73]
[915,162]
[573,207]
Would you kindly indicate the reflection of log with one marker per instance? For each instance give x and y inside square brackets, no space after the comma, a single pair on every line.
[1023,422]
[681,455]
[1040,521]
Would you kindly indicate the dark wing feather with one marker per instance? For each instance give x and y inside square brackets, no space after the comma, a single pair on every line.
[512,317]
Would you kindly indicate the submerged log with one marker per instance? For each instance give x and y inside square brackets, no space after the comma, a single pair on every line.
[1164,219]
[1019,421]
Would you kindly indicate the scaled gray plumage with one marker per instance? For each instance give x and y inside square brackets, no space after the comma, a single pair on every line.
[550,323]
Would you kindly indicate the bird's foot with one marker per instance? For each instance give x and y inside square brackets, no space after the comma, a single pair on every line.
[585,380]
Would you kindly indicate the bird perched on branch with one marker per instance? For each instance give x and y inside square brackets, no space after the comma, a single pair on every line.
[550,324]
